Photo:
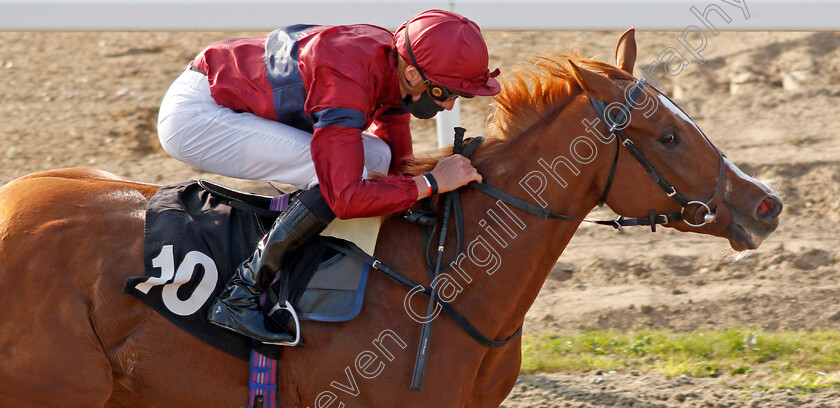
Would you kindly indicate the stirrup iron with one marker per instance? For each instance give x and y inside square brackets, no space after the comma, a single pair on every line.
[289,308]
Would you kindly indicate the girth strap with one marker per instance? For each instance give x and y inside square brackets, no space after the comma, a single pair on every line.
[397,277]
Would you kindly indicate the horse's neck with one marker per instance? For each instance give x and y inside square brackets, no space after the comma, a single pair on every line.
[526,246]
[507,253]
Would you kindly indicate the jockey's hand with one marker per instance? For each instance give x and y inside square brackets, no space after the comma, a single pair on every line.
[450,173]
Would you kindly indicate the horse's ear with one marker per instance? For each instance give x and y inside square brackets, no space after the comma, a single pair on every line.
[625,51]
[593,83]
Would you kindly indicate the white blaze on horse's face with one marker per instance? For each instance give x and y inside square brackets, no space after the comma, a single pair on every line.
[664,101]
[667,103]
[734,169]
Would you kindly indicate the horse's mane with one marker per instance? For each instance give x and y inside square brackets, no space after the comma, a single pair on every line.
[527,93]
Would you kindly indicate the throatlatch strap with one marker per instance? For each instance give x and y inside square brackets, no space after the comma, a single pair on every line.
[262,381]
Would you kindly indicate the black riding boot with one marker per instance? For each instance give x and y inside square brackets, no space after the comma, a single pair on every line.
[238,308]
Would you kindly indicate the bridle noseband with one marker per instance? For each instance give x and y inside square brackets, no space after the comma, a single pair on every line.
[712,216]
[709,214]
[714,211]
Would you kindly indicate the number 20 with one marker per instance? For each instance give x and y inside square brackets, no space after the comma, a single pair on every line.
[166,262]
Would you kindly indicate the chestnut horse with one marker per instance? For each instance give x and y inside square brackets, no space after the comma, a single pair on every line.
[70,238]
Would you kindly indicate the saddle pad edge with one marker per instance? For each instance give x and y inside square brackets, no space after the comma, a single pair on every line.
[360,295]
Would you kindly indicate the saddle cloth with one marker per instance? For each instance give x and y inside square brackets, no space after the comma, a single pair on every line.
[194,240]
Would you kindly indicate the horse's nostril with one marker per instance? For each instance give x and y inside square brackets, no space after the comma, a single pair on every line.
[768,208]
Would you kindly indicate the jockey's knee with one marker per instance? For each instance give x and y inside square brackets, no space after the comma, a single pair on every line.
[170,141]
[171,132]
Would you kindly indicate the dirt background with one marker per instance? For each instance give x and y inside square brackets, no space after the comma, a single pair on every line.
[769,100]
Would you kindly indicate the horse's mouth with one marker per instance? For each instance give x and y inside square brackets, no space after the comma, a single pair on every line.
[745,233]
[741,240]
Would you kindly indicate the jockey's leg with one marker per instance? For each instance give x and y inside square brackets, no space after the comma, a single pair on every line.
[237,308]
[193,128]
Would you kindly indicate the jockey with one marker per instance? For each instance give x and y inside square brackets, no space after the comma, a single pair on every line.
[294,106]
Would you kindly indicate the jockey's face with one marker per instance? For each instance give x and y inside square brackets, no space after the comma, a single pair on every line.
[414,79]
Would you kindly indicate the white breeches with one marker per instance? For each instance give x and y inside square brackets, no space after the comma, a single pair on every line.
[194,129]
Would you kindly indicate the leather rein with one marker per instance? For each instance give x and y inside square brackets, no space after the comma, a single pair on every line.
[706,217]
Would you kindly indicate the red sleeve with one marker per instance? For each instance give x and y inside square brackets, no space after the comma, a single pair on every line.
[339,159]
[396,132]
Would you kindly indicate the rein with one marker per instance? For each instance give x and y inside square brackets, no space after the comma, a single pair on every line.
[428,221]
[427,218]
[707,219]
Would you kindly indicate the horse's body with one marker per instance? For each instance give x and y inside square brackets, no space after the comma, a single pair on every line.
[69,239]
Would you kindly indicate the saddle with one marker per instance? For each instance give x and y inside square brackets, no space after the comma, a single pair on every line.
[207,230]
[198,232]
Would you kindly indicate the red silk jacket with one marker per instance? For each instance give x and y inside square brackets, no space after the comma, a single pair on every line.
[333,82]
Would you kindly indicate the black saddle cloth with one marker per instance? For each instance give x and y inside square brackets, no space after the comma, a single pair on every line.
[195,239]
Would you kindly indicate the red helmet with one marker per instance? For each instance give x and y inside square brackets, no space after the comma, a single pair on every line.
[448,50]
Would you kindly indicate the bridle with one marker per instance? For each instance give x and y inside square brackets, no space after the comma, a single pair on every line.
[714,218]
[711,216]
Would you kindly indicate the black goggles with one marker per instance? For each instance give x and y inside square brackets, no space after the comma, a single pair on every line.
[436,92]
[442,93]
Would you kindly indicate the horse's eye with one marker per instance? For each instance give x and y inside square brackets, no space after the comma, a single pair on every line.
[668,138]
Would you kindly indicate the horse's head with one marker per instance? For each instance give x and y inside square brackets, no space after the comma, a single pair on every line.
[713,195]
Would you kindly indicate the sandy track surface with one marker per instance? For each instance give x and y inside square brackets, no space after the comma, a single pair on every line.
[769,100]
